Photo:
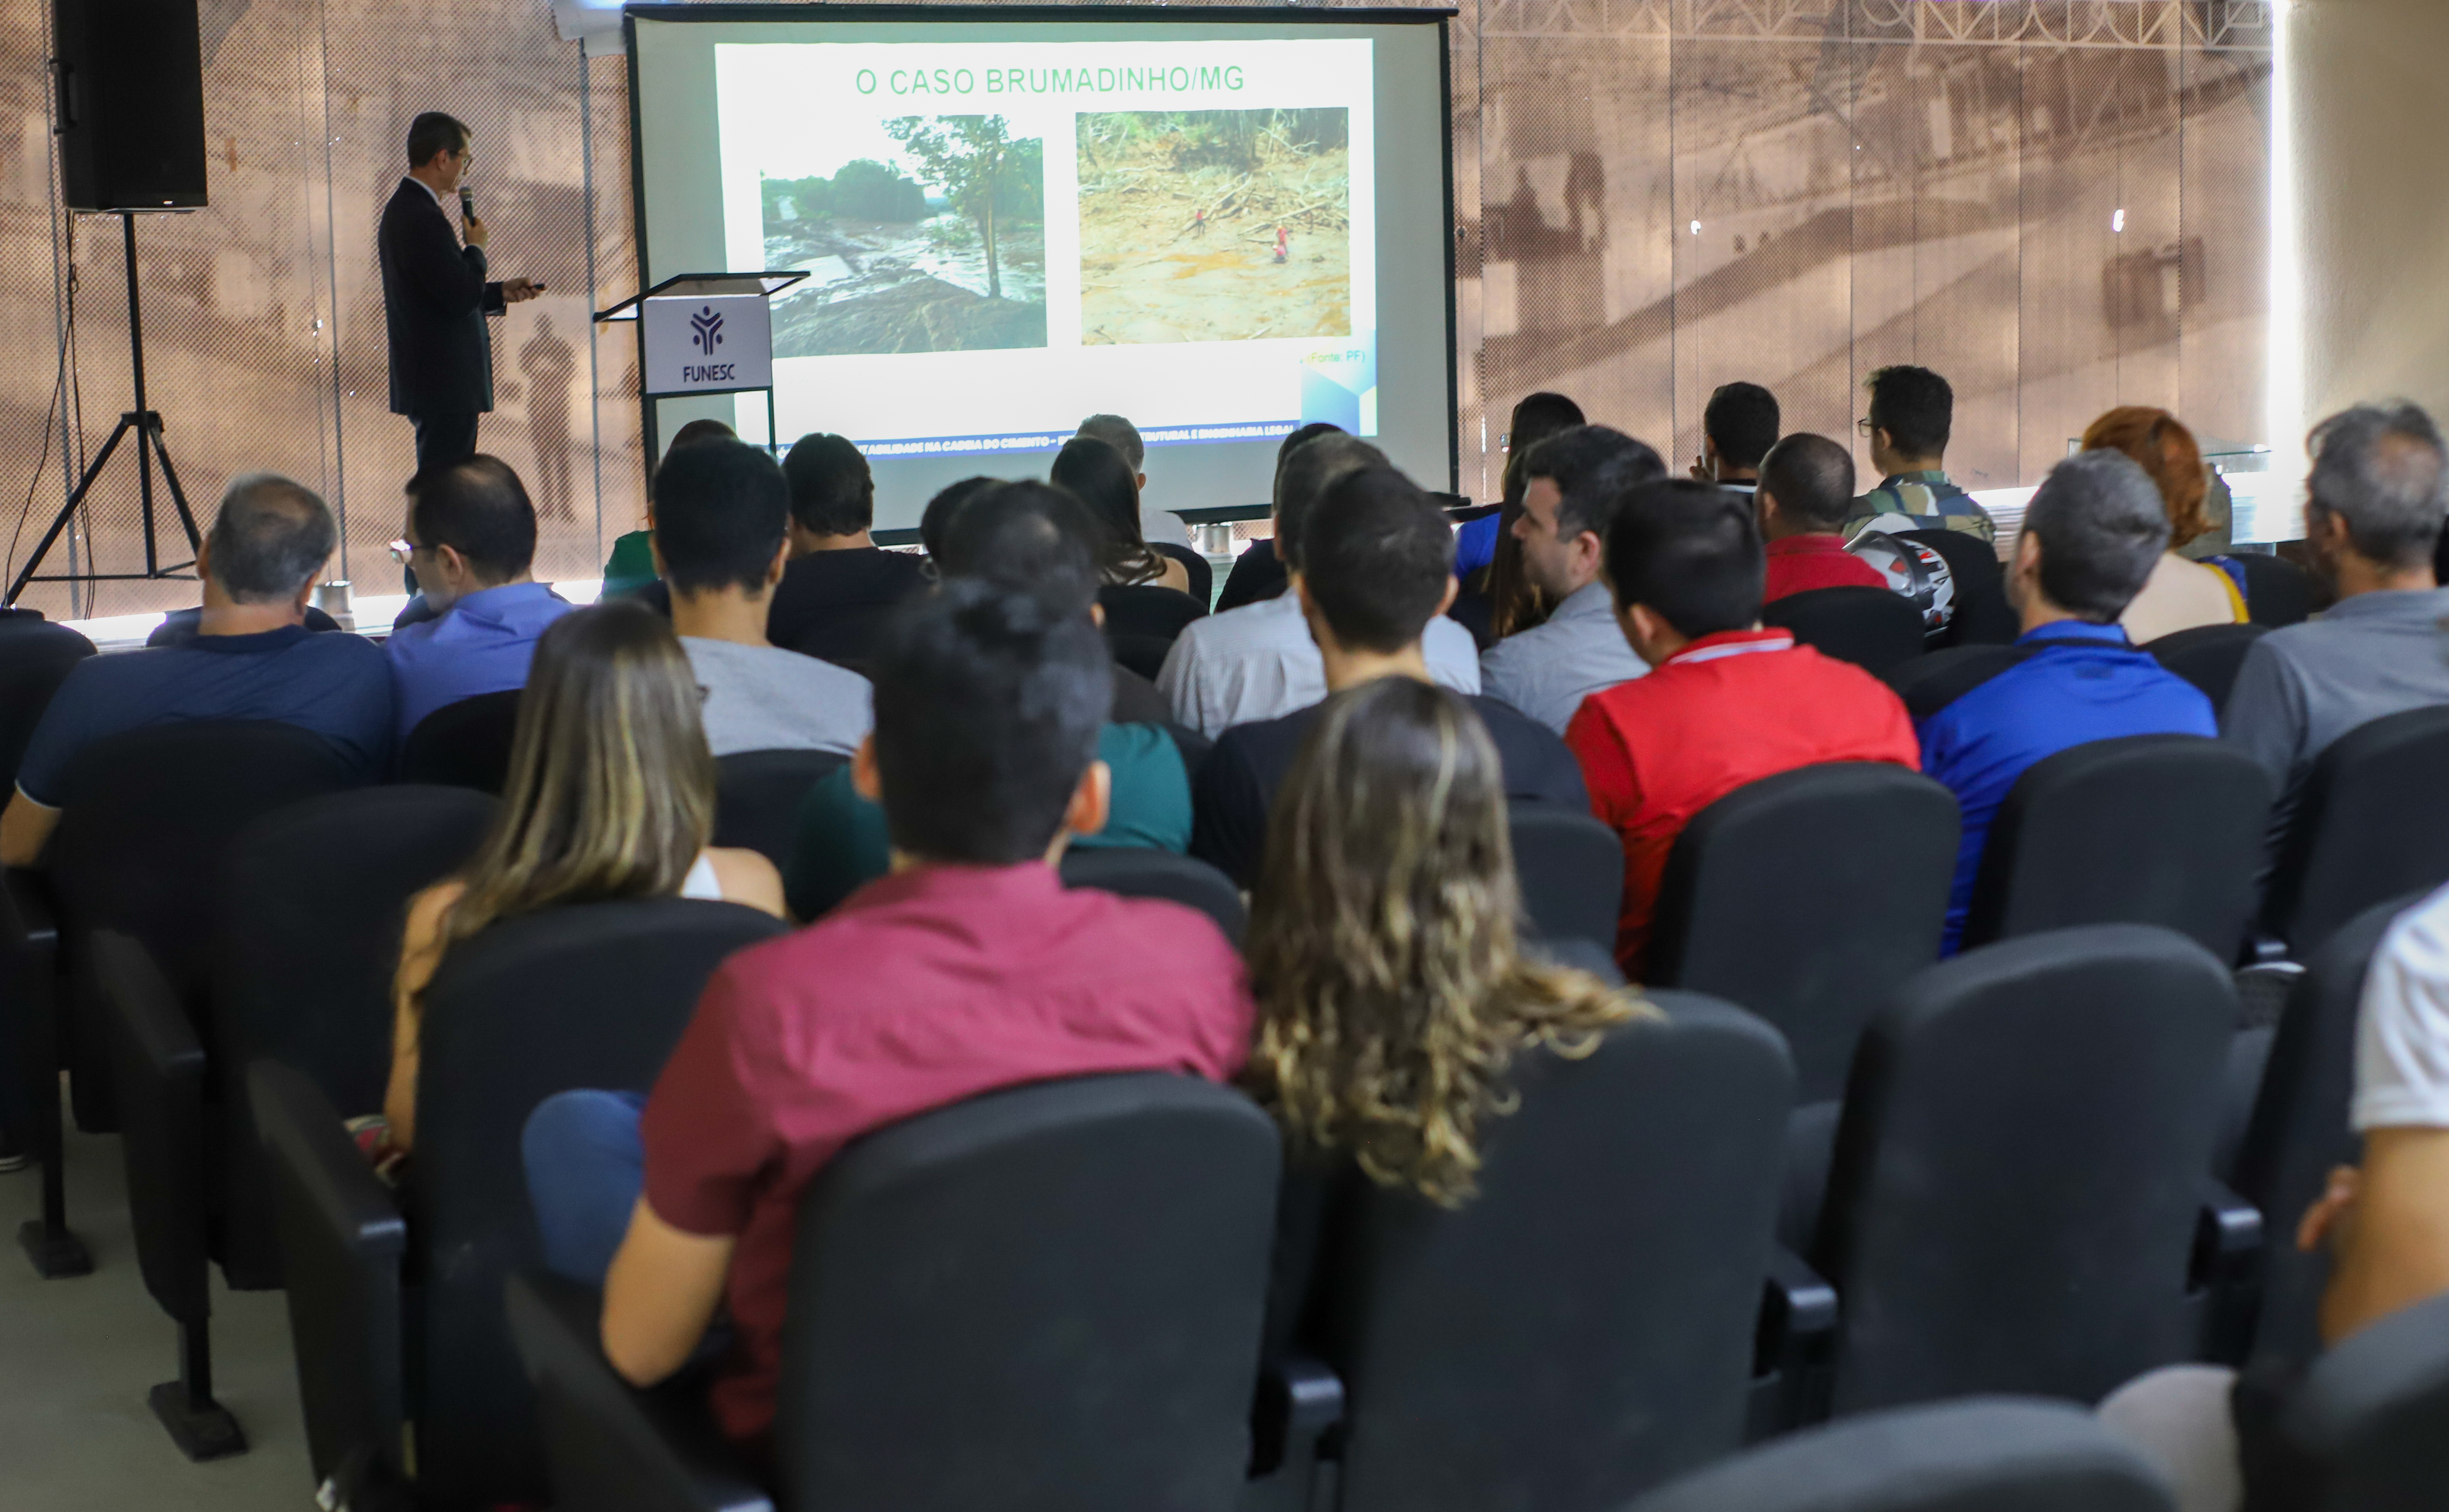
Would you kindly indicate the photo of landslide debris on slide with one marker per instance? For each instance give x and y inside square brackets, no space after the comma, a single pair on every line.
[940,248]
[1214,225]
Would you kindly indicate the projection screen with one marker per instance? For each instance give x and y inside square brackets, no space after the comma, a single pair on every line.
[1220,224]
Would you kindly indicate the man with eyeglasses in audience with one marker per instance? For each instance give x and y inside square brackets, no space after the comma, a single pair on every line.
[1913,411]
[472,538]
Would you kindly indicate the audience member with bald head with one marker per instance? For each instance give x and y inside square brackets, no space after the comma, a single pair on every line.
[252,658]
[1806,485]
[2372,519]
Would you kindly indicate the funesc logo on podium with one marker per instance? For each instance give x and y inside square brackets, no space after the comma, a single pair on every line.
[709,345]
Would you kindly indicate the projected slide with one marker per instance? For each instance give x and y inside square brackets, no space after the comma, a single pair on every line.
[1003,237]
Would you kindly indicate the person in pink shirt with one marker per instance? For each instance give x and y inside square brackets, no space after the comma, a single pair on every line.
[968,968]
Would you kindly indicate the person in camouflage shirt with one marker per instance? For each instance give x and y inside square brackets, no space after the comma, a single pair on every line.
[1912,410]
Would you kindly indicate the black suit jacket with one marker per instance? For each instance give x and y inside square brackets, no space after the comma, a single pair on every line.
[435,302]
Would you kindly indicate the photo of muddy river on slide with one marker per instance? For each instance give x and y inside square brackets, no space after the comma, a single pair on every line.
[1214,225]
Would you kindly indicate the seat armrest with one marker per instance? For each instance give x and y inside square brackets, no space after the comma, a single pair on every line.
[342,1241]
[159,1064]
[28,920]
[1793,1347]
[1798,1313]
[2227,1239]
[1300,1403]
[611,1446]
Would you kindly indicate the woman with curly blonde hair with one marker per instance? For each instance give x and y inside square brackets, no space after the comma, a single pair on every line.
[1392,994]
[2180,594]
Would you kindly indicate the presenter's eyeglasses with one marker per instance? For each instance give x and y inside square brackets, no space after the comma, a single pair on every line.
[401,550]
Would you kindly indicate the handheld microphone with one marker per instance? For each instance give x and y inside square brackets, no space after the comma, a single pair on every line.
[467,202]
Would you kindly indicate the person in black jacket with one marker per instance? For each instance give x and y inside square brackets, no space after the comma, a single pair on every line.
[435,297]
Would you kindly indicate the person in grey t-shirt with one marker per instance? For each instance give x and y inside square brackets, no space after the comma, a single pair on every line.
[721,515]
[2373,514]
[1574,481]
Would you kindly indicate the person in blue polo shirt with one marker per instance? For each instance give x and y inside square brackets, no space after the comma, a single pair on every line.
[2090,538]
[472,539]
[250,657]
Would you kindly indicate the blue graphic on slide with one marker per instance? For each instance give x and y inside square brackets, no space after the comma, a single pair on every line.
[1338,383]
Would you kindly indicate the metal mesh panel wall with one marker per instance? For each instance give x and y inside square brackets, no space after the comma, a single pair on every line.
[2062,204]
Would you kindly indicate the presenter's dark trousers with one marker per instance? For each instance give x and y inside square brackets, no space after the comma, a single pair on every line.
[442,439]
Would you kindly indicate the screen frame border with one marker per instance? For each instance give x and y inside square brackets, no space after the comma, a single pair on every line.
[1138,14]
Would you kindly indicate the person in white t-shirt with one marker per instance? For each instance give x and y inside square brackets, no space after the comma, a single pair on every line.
[1257,661]
[721,517]
[2385,1222]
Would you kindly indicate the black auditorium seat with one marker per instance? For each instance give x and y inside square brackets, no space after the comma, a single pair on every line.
[35,658]
[1135,872]
[1874,628]
[1570,867]
[146,820]
[1988,1454]
[2031,1111]
[1983,616]
[396,1297]
[2207,655]
[1870,848]
[465,744]
[1584,1327]
[1201,574]
[2147,828]
[2296,1134]
[2277,593]
[1144,608]
[2363,1433]
[1095,1344]
[2372,824]
[757,794]
[307,915]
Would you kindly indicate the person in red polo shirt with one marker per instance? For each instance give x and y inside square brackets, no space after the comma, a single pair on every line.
[1806,485]
[968,968]
[1726,703]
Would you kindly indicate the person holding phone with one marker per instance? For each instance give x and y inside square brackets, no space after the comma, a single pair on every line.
[436,296]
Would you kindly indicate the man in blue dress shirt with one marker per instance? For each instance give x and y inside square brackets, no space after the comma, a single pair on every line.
[472,537]
[2090,537]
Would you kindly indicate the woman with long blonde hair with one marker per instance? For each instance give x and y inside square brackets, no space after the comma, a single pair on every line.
[610,794]
[1392,993]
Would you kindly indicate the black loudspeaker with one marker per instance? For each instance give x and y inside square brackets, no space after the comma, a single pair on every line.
[131,103]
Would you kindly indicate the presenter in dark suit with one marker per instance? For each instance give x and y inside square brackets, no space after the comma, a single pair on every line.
[435,297]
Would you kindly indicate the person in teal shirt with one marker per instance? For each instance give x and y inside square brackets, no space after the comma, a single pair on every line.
[840,843]
[631,565]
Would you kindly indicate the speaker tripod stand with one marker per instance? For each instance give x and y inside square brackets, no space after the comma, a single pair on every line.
[145,426]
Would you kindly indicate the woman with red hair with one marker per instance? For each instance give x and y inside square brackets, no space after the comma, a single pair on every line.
[2180,594]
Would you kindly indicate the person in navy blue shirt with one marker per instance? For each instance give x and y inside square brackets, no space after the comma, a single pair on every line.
[472,536]
[252,658]
[2090,537]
